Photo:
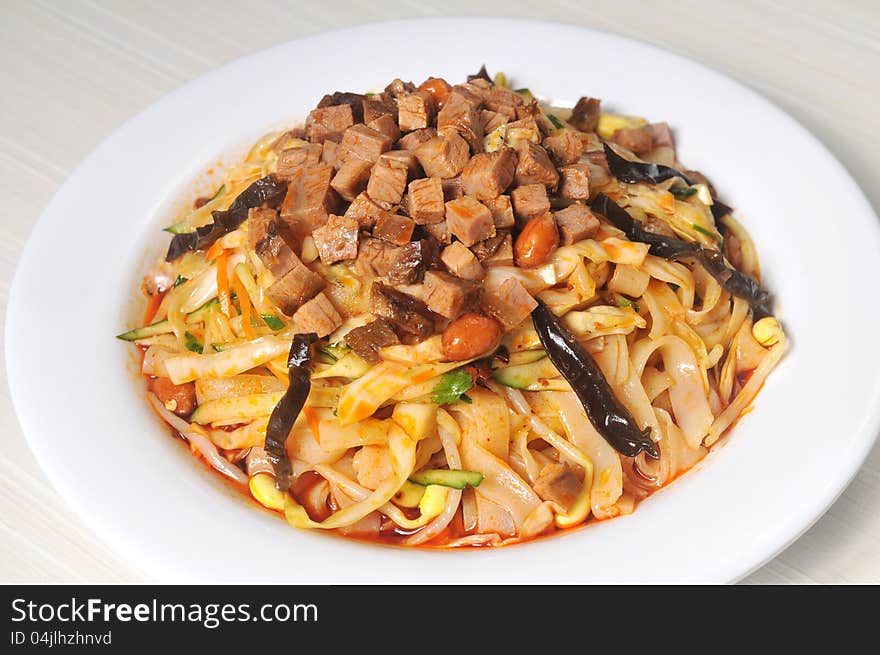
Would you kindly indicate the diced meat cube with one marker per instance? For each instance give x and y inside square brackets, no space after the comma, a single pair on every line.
[503,101]
[364,211]
[529,201]
[351,178]
[585,115]
[330,154]
[425,202]
[337,240]
[265,239]
[387,181]
[386,125]
[309,201]
[367,340]
[661,135]
[294,288]
[510,303]
[461,262]
[575,181]
[378,105]
[461,112]
[408,159]
[328,123]
[487,175]
[353,100]
[439,231]
[415,110]
[317,315]
[475,90]
[575,223]
[362,142]
[565,147]
[639,140]
[375,257]
[522,130]
[408,316]
[502,211]
[414,139]
[534,166]
[447,295]
[290,160]
[469,220]
[492,120]
[452,189]
[412,260]
[503,255]
[443,156]
[394,228]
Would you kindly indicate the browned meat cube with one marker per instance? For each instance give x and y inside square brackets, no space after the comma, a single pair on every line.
[353,100]
[503,101]
[386,125]
[585,115]
[503,255]
[408,159]
[409,316]
[366,341]
[294,288]
[447,295]
[534,166]
[317,315]
[452,189]
[576,223]
[492,120]
[398,87]
[461,112]
[378,105]
[502,211]
[351,178]
[439,231]
[291,160]
[487,175]
[661,135]
[469,220]
[364,211]
[510,303]
[443,156]
[264,238]
[529,201]
[394,228]
[475,90]
[362,142]
[309,201]
[328,123]
[337,240]
[412,260]
[565,147]
[387,181]
[330,154]
[415,110]
[425,203]
[375,257]
[461,262]
[575,181]
[414,139]
[639,140]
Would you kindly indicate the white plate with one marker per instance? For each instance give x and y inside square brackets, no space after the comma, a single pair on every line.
[84,413]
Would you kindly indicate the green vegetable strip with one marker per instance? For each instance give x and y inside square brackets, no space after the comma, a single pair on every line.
[453,478]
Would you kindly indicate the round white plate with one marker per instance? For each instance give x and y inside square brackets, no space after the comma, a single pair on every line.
[83,411]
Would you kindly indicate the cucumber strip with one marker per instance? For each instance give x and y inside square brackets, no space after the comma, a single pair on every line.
[163,326]
[235,408]
[524,357]
[272,321]
[454,478]
[526,376]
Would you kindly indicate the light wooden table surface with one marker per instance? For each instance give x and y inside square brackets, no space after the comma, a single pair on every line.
[72,71]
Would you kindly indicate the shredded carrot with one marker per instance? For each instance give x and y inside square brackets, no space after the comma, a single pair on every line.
[667,202]
[245,303]
[152,307]
[422,377]
[278,373]
[223,285]
[214,251]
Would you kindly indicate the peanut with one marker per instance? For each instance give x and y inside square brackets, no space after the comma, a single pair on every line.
[537,241]
[470,335]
